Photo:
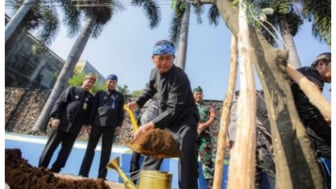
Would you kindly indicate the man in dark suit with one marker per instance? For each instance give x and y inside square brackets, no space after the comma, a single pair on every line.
[107,116]
[69,115]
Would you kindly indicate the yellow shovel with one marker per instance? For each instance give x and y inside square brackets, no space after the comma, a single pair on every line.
[132,117]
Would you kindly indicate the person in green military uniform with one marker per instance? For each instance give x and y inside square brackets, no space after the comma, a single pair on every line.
[204,141]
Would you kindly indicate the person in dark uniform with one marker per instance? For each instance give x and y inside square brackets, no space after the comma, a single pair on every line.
[68,117]
[178,112]
[107,115]
[318,129]
[204,140]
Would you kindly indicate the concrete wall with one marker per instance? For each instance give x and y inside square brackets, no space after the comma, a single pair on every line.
[22,106]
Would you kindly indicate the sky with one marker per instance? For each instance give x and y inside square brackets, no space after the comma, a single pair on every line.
[125,46]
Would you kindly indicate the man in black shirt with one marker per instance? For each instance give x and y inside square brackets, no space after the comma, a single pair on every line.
[318,129]
[107,115]
[178,112]
[69,114]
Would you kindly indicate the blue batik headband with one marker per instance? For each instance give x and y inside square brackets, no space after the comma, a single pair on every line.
[164,47]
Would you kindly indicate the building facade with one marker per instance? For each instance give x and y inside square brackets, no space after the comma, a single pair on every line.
[27,68]
[84,66]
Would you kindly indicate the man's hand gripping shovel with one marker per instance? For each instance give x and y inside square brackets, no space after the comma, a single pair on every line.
[154,142]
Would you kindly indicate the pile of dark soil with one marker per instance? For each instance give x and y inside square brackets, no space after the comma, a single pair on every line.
[20,175]
[157,143]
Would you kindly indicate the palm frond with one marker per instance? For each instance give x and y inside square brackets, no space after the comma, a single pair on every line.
[50,26]
[175,28]
[198,10]
[40,18]
[71,16]
[319,12]
[152,11]
[294,22]
[213,15]
[97,30]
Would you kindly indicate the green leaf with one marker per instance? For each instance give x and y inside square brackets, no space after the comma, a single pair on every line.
[267,11]
[173,3]
[235,2]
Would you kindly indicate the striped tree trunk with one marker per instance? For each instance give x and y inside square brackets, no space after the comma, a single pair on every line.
[242,155]
[225,117]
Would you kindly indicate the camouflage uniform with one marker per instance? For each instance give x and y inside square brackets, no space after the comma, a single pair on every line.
[204,143]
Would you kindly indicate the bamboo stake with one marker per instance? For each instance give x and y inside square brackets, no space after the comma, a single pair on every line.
[225,115]
[312,92]
[242,156]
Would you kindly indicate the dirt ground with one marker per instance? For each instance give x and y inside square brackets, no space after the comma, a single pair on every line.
[21,175]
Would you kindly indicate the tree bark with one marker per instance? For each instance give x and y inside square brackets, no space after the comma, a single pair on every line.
[293,57]
[65,74]
[296,165]
[225,117]
[17,18]
[183,39]
[242,155]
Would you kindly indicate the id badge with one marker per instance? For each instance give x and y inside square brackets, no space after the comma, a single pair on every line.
[85,106]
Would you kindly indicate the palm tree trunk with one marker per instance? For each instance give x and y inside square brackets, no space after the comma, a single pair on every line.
[183,39]
[242,156]
[65,74]
[293,57]
[15,21]
[225,117]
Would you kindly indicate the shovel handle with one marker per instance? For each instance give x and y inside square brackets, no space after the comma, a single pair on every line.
[132,117]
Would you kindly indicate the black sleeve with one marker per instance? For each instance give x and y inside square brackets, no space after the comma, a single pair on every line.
[149,91]
[95,105]
[310,115]
[89,118]
[121,111]
[60,104]
[176,102]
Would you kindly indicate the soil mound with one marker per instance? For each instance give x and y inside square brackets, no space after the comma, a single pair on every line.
[157,143]
[20,175]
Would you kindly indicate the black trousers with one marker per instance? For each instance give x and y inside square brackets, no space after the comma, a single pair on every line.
[135,166]
[56,138]
[187,167]
[107,134]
